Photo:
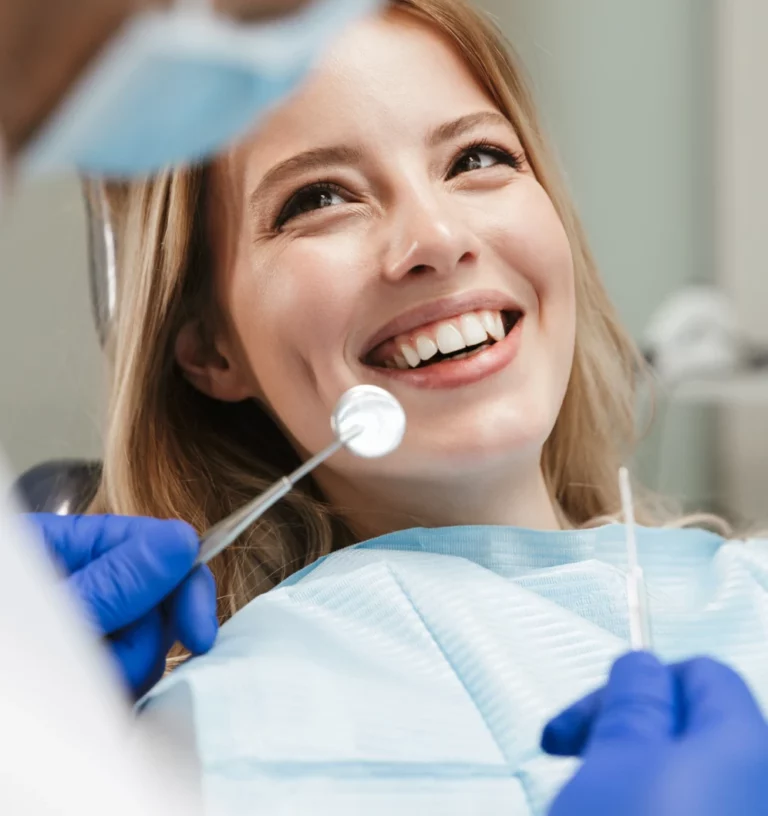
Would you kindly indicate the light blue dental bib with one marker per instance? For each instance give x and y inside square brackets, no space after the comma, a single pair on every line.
[412,674]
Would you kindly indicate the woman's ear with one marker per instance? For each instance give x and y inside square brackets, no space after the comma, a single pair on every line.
[210,370]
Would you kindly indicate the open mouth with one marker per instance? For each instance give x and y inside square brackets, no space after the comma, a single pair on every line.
[458,338]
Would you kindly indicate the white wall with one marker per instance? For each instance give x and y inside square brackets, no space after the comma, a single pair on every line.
[742,222]
[50,364]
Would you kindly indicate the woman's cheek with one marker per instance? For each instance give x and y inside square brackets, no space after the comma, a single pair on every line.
[303,305]
[529,234]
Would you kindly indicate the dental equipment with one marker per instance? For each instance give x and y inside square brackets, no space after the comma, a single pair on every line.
[368,421]
[637,598]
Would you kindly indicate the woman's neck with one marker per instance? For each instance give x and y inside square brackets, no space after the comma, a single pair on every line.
[389,505]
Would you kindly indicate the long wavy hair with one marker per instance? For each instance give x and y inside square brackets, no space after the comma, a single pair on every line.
[171,452]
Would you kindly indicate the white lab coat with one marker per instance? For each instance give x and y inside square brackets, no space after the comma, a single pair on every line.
[68,745]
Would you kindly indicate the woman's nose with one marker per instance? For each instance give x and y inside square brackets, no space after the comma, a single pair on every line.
[428,237]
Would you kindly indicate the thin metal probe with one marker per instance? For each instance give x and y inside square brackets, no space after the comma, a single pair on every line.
[221,535]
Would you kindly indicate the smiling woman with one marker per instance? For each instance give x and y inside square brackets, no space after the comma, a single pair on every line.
[399,222]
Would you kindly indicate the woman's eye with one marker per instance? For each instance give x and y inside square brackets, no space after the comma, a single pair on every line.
[481,158]
[308,200]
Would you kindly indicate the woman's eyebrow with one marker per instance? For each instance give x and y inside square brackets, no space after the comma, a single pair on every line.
[319,158]
[458,127]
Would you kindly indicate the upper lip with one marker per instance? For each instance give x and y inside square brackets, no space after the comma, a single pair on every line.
[442,309]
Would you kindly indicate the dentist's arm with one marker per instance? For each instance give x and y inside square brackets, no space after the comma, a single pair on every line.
[46,45]
[664,741]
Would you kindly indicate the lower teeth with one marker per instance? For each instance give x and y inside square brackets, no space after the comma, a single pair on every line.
[470,353]
[463,356]
[452,357]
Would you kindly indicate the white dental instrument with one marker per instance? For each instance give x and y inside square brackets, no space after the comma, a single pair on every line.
[637,598]
[368,421]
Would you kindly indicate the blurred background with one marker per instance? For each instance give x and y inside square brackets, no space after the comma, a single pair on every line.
[657,111]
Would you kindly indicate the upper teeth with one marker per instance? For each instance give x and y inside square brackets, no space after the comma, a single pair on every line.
[448,337]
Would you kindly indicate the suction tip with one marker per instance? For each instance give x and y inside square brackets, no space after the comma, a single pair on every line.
[378,416]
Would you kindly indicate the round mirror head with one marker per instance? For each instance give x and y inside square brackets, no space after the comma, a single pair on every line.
[377,414]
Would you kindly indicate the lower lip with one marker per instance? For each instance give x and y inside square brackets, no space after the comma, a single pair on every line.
[459,373]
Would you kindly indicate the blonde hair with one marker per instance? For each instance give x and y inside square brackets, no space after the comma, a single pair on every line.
[173,453]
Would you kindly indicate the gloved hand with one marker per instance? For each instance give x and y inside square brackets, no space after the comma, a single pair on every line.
[130,575]
[664,741]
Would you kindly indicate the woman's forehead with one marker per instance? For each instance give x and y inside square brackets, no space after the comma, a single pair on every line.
[392,77]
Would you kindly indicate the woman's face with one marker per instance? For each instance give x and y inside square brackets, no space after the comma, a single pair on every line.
[384,227]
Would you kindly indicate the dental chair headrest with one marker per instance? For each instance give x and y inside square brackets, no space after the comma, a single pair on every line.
[62,487]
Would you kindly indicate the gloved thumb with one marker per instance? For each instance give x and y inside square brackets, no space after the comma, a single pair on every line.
[639,704]
[567,734]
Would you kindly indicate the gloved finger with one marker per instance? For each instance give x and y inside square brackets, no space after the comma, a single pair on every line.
[567,734]
[117,531]
[140,650]
[639,703]
[124,583]
[69,539]
[75,541]
[712,694]
[192,612]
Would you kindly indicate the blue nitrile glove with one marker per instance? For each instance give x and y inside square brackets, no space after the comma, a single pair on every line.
[132,577]
[664,741]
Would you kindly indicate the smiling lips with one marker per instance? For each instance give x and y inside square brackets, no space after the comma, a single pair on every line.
[456,338]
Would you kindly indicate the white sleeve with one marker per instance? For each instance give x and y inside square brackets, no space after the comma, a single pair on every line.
[67,740]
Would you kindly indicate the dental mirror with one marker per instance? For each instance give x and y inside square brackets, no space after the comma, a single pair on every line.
[367,420]
[377,414]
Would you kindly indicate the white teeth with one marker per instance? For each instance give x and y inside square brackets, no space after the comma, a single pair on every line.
[427,348]
[449,339]
[401,362]
[410,355]
[489,324]
[468,330]
[472,330]
[470,353]
[494,325]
